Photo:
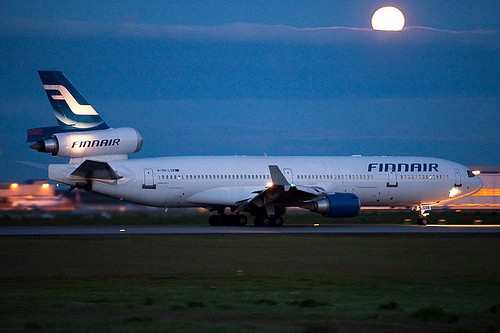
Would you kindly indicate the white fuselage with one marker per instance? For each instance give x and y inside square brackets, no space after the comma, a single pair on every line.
[226,181]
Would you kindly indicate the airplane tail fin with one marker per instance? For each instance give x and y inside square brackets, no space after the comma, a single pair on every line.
[72,111]
[81,132]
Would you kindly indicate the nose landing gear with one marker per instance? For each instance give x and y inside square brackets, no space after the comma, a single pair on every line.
[422,215]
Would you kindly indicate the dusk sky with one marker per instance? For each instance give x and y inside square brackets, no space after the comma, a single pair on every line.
[259,77]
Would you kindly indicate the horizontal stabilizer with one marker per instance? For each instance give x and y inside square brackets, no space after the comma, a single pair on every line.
[96,170]
[43,133]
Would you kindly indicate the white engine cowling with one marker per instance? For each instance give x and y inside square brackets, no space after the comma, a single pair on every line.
[113,141]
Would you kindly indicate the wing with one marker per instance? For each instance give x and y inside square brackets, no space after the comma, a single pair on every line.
[280,192]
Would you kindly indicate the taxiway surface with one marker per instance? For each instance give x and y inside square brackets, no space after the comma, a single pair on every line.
[200,230]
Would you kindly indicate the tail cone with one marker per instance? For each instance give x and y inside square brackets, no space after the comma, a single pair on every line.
[39,145]
[46,146]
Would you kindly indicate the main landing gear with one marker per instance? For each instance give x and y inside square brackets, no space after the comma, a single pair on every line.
[422,215]
[221,219]
[262,218]
[268,221]
[270,216]
[241,220]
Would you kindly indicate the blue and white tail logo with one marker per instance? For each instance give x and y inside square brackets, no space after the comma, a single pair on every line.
[72,111]
[70,107]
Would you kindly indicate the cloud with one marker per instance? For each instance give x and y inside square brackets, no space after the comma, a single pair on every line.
[429,35]
[34,164]
[242,32]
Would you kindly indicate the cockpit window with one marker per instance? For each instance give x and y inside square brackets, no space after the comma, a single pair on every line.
[470,174]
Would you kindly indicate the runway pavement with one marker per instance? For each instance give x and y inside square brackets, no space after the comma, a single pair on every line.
[201,230]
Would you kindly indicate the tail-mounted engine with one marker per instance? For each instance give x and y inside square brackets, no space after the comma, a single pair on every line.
[113,141]
[335,205]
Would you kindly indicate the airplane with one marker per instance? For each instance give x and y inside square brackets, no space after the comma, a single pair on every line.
[261,186]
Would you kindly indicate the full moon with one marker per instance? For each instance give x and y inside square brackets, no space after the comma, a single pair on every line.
[388,19]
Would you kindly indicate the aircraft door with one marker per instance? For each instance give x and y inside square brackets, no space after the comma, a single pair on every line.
[287,172]
[148,180]
[458,178]
[392,179]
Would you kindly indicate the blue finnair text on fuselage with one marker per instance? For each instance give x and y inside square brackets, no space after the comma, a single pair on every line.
[403,167]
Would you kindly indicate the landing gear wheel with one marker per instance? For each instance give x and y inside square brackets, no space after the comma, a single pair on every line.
[262,221]
[276,221]
[268,221]
[422,221]
[240,220]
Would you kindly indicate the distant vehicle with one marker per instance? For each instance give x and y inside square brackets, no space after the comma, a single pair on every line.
[263,186]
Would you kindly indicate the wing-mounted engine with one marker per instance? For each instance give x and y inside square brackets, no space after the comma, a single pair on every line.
[335,205]
[106,142]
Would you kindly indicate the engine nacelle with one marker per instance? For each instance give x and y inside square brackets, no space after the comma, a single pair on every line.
[336,205]
[113,141]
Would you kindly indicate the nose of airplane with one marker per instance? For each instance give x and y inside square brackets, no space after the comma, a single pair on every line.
[479,184]
[474,184]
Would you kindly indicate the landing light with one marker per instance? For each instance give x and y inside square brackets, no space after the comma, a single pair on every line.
[454,192]
[45,186]
[269,185]
[14,186]
[476,172]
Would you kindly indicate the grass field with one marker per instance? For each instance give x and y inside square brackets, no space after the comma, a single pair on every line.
[245,283]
